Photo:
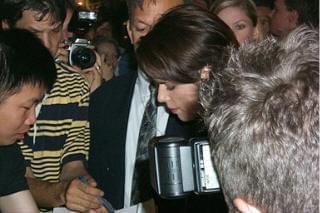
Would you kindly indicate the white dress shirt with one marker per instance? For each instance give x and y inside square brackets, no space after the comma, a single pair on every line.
[139,100]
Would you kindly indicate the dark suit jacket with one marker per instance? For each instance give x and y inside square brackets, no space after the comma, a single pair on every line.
[108,114]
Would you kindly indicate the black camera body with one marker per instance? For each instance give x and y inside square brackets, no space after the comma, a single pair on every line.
[86,20]
[81,22]
[81,53]
[179,167]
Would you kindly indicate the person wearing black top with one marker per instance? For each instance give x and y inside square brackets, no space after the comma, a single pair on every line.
[24,79]
[12,170]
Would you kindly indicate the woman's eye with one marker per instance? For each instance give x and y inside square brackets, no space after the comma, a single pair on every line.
[170,86]
[140,29]
[240,26]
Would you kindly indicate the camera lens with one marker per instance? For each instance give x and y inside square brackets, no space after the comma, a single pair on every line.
[83,57]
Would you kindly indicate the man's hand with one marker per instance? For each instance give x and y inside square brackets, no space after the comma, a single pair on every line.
[92,74]
[83,196]
[62,54]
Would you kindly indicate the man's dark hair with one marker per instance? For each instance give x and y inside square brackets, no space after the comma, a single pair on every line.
[133,4]
[265,3]
[23,60]
[11,10]
[183,42]
[308,11]
[262,111]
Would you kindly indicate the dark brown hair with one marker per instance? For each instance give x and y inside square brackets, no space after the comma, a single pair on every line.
[11,10]
[308,11]
[183,41]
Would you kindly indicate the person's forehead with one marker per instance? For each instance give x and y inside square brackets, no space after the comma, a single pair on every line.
[263,11]
[27,93]
[233,14]
[279,3]
[152,10]
[107,47]
[30,18]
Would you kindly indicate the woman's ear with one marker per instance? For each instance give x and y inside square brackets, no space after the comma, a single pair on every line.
[205,72]
[257,34]
[245,207]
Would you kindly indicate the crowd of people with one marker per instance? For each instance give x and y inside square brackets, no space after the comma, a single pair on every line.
[243,74]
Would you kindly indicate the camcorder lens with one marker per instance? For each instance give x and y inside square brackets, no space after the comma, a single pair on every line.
[83,57]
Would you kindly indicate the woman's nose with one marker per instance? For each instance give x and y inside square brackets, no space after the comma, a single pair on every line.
[162,94]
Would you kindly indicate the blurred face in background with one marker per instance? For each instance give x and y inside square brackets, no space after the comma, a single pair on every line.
[283,20]
[47,30]
[142,20]
[109,51]
[264,20]
[239,22]
[105,29]
[180,99]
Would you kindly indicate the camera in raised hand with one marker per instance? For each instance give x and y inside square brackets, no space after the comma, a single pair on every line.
[81,54]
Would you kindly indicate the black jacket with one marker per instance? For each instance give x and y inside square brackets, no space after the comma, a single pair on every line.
[108,115]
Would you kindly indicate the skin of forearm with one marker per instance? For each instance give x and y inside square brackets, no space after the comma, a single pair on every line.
[50,195]
[47,195]
[72,170]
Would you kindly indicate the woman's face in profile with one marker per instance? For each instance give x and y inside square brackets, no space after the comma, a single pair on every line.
[180,99]
[239,22]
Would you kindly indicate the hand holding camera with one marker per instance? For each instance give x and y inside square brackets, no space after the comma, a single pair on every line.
[83,59]
[93,74]
[81,54]
[77,53]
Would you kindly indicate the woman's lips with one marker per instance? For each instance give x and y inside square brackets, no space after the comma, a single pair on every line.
[173,110]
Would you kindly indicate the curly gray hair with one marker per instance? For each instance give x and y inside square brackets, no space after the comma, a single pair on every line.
[262,110]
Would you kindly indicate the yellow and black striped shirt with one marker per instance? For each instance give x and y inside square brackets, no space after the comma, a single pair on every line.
[61,133]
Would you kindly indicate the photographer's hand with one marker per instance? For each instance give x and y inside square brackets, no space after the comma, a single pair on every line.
[93,74]
[62,54]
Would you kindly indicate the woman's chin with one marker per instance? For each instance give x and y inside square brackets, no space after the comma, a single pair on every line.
[186,118]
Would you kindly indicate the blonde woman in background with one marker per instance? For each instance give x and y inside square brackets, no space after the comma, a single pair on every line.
[240,16]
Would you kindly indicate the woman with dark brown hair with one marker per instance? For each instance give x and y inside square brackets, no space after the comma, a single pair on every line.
[180,50]
[182,47]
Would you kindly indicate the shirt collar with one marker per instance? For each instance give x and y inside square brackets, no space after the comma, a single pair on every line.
[143,84]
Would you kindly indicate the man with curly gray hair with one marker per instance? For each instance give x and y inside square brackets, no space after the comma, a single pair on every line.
[262,110]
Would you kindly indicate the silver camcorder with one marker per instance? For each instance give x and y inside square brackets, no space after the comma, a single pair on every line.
[179,167]
[81,53]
